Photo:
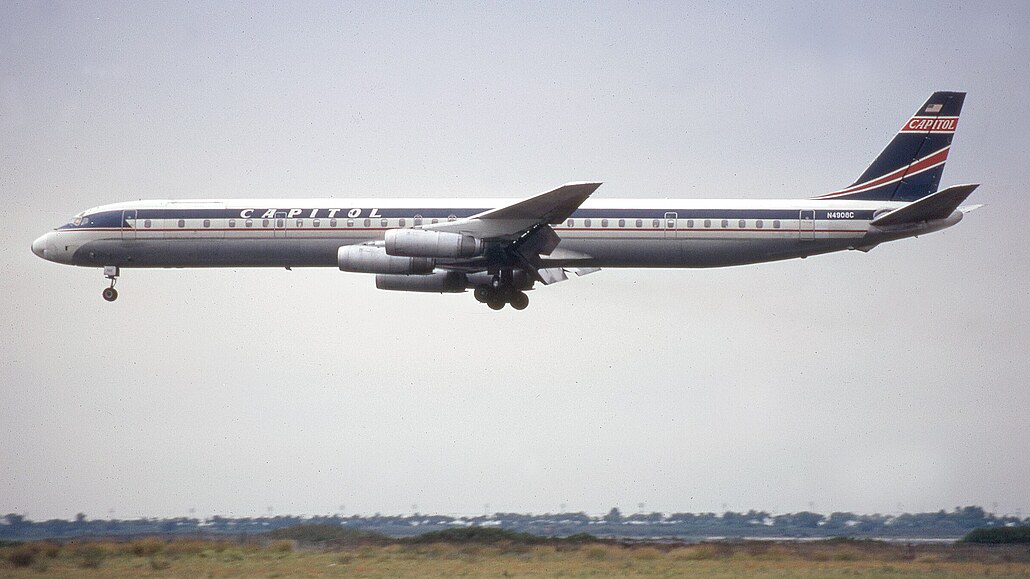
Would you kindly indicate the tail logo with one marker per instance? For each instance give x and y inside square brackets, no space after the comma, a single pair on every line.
[930,125]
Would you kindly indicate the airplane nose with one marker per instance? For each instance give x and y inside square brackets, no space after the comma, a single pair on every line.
[39,246]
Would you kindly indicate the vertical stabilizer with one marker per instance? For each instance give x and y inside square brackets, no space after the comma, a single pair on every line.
[911,166]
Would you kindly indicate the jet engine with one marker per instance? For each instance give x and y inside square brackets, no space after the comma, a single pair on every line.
[444,282]
[422,243]
[373,259]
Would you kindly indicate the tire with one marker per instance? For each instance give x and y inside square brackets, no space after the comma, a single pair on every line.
[496,304]
[482,294]
[519,300]
[110,294]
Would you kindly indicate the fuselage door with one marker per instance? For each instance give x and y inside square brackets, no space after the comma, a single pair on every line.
[279,224]
[669,223]
[806,225]
[129,224]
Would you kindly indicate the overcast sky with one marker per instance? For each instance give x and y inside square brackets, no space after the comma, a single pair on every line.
[894,380]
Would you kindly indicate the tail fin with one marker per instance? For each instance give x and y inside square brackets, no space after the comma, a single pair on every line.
[911,166]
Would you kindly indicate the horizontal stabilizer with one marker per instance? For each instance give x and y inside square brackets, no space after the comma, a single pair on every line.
[938,205]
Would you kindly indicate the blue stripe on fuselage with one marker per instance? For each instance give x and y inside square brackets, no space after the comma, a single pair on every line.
[113,219]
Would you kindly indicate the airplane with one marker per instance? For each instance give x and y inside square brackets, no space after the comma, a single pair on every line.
[501,248]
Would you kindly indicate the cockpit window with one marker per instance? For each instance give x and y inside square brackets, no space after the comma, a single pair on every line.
[80,220]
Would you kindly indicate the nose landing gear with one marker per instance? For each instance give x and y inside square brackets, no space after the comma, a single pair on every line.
[111,272]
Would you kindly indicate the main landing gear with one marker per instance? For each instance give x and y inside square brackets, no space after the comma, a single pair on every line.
[111,272]
[505,287]
[496,298]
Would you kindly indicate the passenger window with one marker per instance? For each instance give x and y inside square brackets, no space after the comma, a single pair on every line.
[383,222]
[232,223]
[280,223]
[640,222]
[316,222]
[708,222]
[776,224]
[586,223]
[400,222]
[250,223]
[418,221]
[670,224]
[207,223]
[622,223]
[350,223]
[332,223]
[435,221]
[690,223]
[368,223]
[182,223]
[604,223]
[758,224]
[451,217]
[146,223]
[725,223]
[656,224]
[300,223]
[742,224]
[570,223]
[264,223]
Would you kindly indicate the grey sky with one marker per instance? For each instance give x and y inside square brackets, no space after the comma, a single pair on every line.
[851,381]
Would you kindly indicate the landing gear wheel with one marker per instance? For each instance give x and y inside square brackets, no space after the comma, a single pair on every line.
[519,300]
[482,294]
[495,304]
[110,294]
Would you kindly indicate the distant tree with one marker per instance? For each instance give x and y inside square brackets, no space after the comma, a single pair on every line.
[839,520]
[756,517]
[999,535]
[613,516]
[14,520]
[802,520]
[80,518]
[646,517]
[972,516]
[732,519]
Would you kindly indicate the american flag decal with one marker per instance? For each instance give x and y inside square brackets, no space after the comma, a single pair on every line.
[932,109]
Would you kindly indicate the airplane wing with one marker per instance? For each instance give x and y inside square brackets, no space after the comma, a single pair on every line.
[935,206]
[512,221]
[523,229]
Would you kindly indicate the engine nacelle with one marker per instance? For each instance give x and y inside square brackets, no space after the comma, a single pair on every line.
[422,243]
[373,259]
[444,282]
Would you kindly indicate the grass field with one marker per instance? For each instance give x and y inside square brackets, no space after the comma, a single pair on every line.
[151,557]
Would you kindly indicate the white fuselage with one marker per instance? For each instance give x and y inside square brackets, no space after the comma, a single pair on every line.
[600,233]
